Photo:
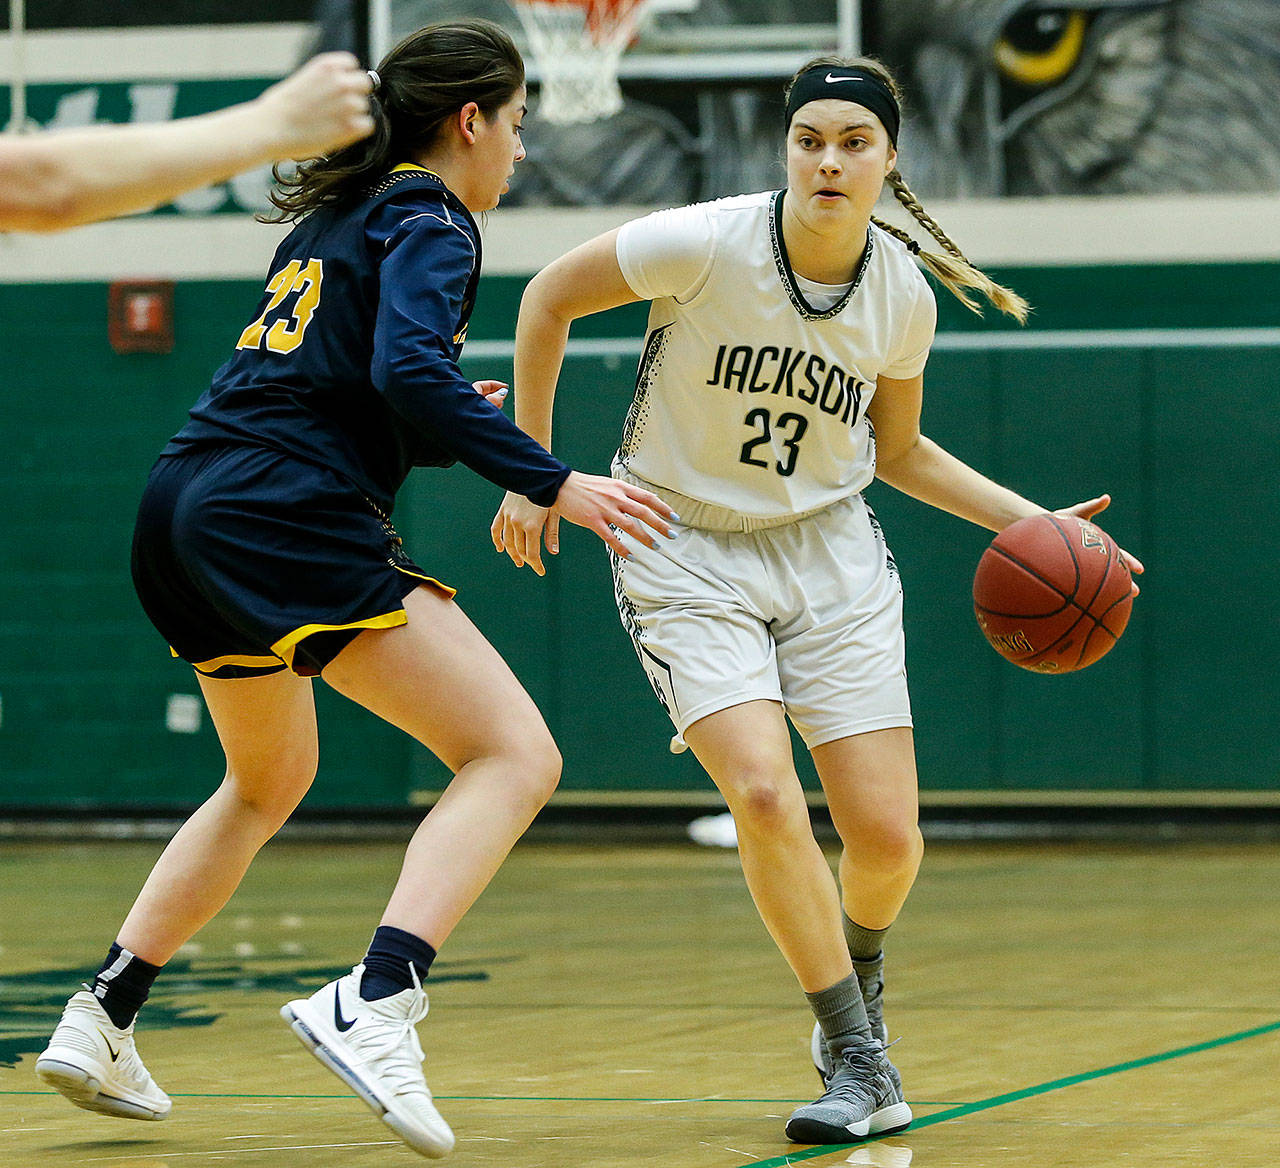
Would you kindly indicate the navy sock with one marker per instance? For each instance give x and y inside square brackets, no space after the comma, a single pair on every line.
[122,985]
[392,953]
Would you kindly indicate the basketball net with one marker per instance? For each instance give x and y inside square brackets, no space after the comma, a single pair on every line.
[578,45]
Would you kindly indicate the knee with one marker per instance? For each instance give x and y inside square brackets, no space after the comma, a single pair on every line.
[888,846]
[767,803]
[271,796]
[534,765]
[544,768]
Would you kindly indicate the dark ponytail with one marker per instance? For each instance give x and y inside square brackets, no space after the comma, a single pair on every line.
[422,82]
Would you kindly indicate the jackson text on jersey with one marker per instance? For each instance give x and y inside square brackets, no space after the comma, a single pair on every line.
[792,373]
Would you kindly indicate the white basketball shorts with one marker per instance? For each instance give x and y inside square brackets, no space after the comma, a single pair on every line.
[808,613]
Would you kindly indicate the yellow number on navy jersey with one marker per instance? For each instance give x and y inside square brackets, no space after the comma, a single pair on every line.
[285,334]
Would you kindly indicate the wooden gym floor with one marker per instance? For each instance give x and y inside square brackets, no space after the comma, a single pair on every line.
[1088,1005]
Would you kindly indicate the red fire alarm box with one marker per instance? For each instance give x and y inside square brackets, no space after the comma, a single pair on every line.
[140,316]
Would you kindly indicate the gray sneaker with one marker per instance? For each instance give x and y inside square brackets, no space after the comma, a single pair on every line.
[863,1098]
[871,982]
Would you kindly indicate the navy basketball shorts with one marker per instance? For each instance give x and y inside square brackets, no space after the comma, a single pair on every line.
[250,561]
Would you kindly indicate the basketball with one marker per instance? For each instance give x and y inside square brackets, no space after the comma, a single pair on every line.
[1052,593]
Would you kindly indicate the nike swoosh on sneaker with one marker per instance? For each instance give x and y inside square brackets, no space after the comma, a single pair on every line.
[115,1054]
[342,1024]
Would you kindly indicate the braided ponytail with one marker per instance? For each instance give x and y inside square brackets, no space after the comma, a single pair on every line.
[950,266]
[953,268]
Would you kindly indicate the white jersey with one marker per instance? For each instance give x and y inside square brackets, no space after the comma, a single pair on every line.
[753,388]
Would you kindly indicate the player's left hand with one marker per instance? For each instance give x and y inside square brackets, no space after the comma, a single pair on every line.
[1087,510]
[494,392]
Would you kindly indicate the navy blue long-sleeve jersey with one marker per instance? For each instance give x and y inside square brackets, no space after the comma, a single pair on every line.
[350,360]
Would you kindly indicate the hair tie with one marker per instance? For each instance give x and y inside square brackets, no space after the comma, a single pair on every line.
[373,76]
[913,247]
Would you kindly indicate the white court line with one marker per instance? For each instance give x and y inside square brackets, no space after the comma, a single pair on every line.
[968,342]
[1112,339]
[126,55]
[241,1151]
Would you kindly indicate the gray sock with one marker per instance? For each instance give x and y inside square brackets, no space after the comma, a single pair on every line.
[864,944]
[840,1013]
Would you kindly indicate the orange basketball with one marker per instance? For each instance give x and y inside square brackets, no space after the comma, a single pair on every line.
[1052,593]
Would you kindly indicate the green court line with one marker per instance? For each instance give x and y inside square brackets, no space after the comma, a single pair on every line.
[1028,1092]
[951,1112]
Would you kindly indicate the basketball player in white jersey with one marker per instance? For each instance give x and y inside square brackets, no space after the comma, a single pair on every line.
[783,370]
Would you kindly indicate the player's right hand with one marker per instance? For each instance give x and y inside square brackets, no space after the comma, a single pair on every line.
[321,107]
[604,505]
[1087,510]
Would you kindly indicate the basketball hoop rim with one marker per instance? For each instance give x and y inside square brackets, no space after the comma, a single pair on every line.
[604,21]
[577,46]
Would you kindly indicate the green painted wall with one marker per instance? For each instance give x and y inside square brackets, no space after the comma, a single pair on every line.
[1187,440]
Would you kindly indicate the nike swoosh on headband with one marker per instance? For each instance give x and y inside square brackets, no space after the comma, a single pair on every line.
[831,77]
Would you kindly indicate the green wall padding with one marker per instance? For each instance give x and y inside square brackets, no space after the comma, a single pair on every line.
[1187,440]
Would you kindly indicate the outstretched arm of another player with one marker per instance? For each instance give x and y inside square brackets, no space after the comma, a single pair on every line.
[49,182]
[584,281]
[604,505]
[590,501]
[919,467]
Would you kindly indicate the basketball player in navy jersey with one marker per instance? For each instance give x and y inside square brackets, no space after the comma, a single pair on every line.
[782,370]
[264,552]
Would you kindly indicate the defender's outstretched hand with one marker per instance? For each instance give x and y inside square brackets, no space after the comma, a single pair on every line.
[596,502]
[49,182]
[1087,510]
[320,108]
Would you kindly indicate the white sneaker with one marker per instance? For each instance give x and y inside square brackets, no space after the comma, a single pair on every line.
[95,1064]
[819,1053]
[373,1047]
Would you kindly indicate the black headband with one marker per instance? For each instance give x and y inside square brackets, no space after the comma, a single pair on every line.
[847,84]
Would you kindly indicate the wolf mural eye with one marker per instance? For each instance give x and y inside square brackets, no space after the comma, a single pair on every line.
[1022,97]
